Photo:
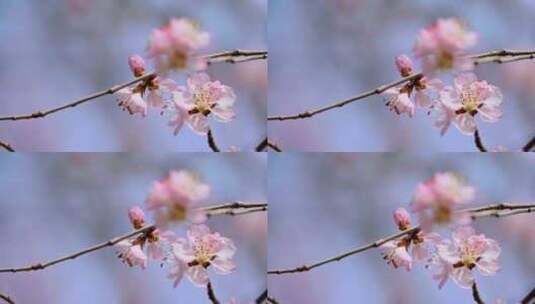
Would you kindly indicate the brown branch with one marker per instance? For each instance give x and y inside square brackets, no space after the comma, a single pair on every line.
[529,297]
[211,210]
[478,142]
[529,146]
[211,293]
[6,299]
[262,145]
[501,56]
[274,146]
[213,58]
[272,300]
[211,141]
[476,295]
[485,211]
[236,208]
[6,146]
[262,297]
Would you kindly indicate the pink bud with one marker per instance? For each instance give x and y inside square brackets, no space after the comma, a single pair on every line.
[402,218]
[404,65]
[137,217]
[137,65]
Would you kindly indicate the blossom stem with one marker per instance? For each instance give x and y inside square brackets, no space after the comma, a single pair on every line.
[272,300]
[221,209]
[266,143]
[529,146]
[211,141]
[478,142]
[211,293]
[498,210]
[213,58]
[476,295]
[6,146]
[262,297]
[6,299]
[529,297]
[500,56]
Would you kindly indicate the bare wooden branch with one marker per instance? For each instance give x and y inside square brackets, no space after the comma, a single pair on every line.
[6,146]
[497,210]
[529,146]
[220,209]
[6,299]
[478,142]
[500,56]
[476,295]
[211,141]
[222,57]
[211,293]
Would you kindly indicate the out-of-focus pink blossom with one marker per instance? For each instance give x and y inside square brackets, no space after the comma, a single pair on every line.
[442,44]
[404,65]
[467,98]
[137,65]
[395,253]
[435,199]
[402,218]
[198,252]
[131,254]
[131,101]
[174,46]
[466,251]
[137,217]
[202,98]
[175,197]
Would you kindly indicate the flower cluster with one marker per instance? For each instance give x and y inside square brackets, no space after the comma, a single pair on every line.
[434,202]
[175,198]
[173,47]
[441,47]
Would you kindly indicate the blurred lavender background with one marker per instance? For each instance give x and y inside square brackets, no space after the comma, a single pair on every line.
[324,204]
[57,51]
[324,51]
[56,204]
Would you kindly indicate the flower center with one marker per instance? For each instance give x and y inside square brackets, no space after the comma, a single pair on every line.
[176,212]
[203,255]
[202,102]
[444,61]
[442,215]
[470,100]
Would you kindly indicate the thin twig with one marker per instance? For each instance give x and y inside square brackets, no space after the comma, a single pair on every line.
[6,146]
[274,146]
[529,298]
[213,58]
[476,295]
[219,209]
[211,293]
[236,208]
[529,146]
[211,141]
[7,299]
[478,142]
[272,300]
[500,56]
[262,145]
[262,297]
[485,211]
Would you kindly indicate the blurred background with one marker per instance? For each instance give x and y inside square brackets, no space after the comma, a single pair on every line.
[322,205]
[57,204]
[60,50]
[324,51]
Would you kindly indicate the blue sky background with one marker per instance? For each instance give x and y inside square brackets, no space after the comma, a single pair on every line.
[322,205]
[324,51]
[57,51]
[56,204]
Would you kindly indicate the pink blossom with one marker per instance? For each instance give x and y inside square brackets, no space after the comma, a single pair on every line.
[395,253]
[158,243]
[469,97]
[441,45]
[131,101]
[399,101]
[435,199]
[201,98]
[198,252]
[402,218]
[175,197]
[466,251]
[161,92]
[131,254]
[174,45]
[137,217]
[137,65]
[424,244]
[404,65]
